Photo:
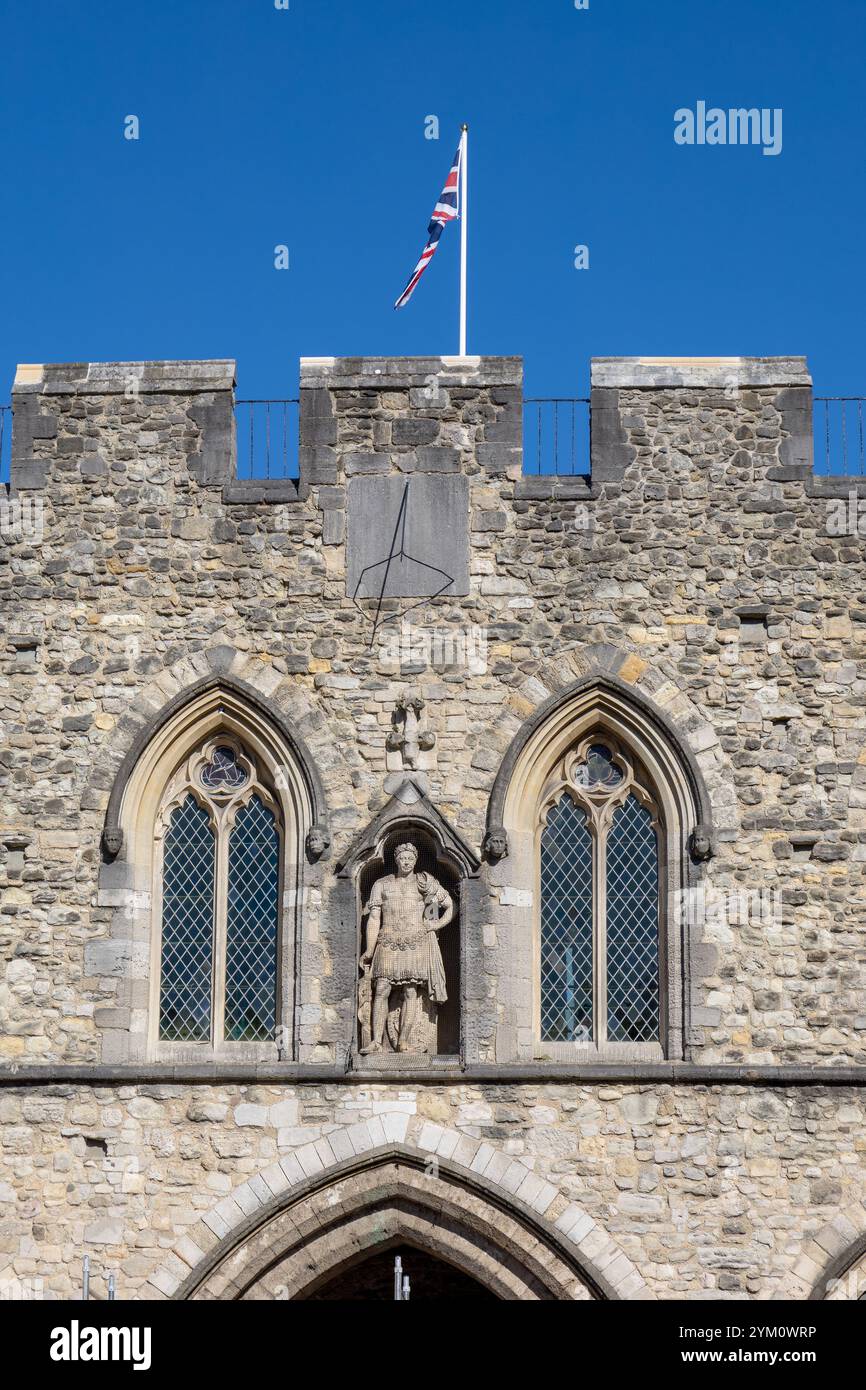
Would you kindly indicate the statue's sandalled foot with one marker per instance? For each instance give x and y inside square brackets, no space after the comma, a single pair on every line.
[404,1047]
[371,1047]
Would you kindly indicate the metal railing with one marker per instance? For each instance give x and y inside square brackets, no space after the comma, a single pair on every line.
[838,434]
[267,438]
[5,441]
[556,435]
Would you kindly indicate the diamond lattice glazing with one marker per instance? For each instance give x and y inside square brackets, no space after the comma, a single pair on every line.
[251,942]
[187,926]
[632,926]
[566,925]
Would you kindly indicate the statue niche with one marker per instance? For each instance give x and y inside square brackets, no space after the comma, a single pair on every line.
[407,990]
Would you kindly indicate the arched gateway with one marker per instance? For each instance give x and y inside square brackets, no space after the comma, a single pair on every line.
[334,1236]
[475,1222]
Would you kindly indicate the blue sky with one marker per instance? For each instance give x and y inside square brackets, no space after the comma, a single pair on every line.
[305,127]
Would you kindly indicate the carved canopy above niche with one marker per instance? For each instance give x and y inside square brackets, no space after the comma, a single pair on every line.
[398,812]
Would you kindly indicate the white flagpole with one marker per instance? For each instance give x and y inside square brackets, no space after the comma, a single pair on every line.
[463,230]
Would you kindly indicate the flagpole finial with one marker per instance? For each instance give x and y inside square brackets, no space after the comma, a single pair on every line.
[464,126]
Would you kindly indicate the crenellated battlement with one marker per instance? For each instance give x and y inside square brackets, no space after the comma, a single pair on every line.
[379,416]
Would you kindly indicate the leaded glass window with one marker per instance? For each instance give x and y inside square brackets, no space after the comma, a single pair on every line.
[251,935]
[566,924]
[600,900]
[632,869]
[187,925]
[220,891]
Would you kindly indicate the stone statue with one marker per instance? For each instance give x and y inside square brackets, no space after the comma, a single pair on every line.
[404,913]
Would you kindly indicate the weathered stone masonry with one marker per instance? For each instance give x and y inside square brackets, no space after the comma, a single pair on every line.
[693,575]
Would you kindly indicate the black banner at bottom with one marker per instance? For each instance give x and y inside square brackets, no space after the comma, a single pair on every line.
[169,1339]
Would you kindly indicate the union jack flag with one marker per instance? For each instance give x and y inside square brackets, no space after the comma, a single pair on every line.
[445,211]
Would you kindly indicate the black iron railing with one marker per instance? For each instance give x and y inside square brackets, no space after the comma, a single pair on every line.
[838,424]
[556,435]
[267,438]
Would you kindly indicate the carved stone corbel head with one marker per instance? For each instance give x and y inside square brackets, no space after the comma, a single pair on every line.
[112,841]
[701,843]
[495,845]
[318,840]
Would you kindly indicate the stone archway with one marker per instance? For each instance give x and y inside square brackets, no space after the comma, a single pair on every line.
[832,1264]
[389,1181]
[392,1202]
[395,1199]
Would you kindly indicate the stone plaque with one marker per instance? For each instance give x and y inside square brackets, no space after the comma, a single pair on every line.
[408,537]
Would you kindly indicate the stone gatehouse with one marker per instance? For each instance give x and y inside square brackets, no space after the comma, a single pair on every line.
[420,856]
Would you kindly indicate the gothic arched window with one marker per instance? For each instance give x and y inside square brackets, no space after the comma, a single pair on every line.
[218,886]
[600,832]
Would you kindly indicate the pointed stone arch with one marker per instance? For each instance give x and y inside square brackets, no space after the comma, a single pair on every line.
[396,1178]
[244,695]
[832,1263]
[606,692]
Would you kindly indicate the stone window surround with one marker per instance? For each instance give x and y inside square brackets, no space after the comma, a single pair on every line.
[125,1042]
[222,809]
[600,813]
[606,707]
[216,708]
